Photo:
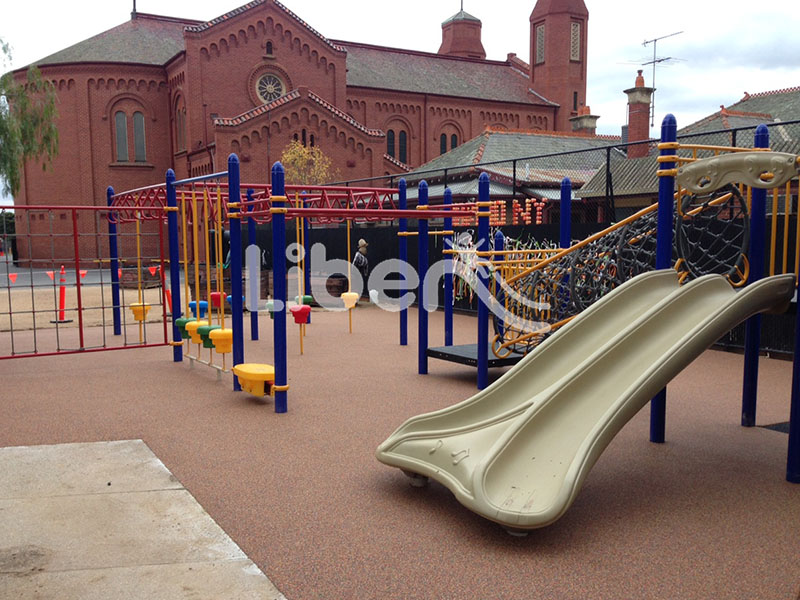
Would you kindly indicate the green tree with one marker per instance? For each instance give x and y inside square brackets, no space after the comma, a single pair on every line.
[27,122]
[306,166]
[7,224]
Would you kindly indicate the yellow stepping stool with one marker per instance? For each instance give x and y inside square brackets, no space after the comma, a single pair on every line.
[255,378]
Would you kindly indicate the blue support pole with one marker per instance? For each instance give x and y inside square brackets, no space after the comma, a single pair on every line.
[403,256]
[174,265]
[237,321]
[565,232]
[752,328]
[666,193]
[499,246]
[483,281]
[447,244]
[279,283]
[114,255]
[251,239]
[307,254]
[422,239]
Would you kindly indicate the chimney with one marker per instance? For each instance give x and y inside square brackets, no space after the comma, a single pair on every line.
[584,123]
[639,98]
[461,36]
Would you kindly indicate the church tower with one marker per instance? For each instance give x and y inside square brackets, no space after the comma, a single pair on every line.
[559,32]
[461,36]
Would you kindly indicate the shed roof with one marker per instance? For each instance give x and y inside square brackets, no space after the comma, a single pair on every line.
[546,163]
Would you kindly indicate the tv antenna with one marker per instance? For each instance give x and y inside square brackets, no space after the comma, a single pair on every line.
[654,62]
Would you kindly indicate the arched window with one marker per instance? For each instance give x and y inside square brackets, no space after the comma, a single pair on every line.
[269,49]
[574,41]
[539,55]
[402,147]
[443,143]
[304,137]
[121,135]
[180,126]
[139,153]
[390,143]
[453,141]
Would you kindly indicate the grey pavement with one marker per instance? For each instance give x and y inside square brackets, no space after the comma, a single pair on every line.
[107,520]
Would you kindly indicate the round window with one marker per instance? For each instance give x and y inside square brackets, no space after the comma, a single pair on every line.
[269,87]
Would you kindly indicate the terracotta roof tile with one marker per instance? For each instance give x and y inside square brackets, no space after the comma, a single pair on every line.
[344,116]
[292,96]
[237,11]
[397,163]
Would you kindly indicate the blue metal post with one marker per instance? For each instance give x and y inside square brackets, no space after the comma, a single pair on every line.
[666,192]
[174,265]
[114,264]
[403,256]
[307,251]
[422,238]
[251,239]
[447,244]
[499,246]
[237,321]
[483,281]
[565,234]
[279,284]
[752,329]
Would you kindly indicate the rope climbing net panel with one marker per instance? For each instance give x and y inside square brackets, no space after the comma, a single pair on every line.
[710,235]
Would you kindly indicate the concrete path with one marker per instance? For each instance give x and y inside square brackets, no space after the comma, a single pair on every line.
[108,520]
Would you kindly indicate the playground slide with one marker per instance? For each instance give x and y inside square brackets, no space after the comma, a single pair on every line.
[518,452]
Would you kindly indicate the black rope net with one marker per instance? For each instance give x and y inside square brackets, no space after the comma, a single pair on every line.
[710,235]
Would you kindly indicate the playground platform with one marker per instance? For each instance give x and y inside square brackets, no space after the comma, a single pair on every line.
[467,354]
[708,514]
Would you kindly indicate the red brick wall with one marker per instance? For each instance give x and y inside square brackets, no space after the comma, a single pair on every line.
[88,97]
[224,62]
[558,78]
[259,143]
[216,76]
[426,118]
[638,129]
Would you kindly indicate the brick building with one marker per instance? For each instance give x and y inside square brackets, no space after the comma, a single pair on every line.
[159,92]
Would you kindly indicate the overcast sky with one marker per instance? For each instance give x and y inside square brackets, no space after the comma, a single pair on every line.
[726,47]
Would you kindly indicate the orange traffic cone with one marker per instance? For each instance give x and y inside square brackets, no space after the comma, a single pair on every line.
[62,297]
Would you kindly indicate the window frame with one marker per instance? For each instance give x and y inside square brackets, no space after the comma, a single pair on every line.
[139,137]
[390,139]
[402,147]
[121,136]
[278,78]
[539,46]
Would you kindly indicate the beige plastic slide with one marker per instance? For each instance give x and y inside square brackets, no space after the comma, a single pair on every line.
[518,452]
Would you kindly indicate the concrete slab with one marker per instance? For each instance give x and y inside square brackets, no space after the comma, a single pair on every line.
[108,520]
[93,468]
[232,580]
